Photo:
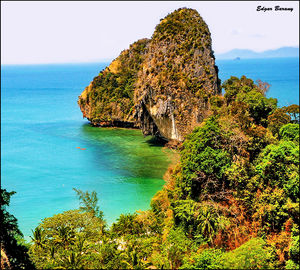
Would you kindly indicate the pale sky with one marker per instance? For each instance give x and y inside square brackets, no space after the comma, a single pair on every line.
[62,32]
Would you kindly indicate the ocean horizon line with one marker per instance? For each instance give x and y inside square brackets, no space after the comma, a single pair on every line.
[110,60]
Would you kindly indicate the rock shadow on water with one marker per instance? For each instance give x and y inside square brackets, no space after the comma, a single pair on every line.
[156,142]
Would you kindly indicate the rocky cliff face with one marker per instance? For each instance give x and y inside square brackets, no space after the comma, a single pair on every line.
[161,85]
[109,99]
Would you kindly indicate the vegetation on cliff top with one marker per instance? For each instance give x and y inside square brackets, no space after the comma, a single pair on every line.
[111,95]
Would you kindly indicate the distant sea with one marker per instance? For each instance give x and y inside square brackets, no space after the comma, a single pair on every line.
[42,128]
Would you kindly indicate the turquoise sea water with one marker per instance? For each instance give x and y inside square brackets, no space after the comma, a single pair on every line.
[42,126]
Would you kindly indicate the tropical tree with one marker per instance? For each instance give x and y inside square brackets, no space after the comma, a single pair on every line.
[89,202]
[127,225]
[203,161]
[38,238]
[72,260]
[277,119]
[293,110]
[64,236]
[12,249]
[209,222]
[65,239]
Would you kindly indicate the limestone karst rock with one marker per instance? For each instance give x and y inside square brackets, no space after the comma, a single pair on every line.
[161,85]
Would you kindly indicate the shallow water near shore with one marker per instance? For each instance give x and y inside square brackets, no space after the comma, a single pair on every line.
[47,148]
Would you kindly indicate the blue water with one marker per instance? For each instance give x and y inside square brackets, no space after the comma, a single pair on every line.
[42,126]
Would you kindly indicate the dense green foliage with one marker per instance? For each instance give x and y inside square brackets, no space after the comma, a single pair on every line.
[289,132]
[65,240]
[69,240]
[294,251]
[13,249]
[111,95]
[231,202]
[203,161]
[253,254]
